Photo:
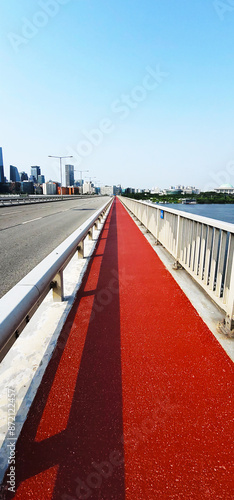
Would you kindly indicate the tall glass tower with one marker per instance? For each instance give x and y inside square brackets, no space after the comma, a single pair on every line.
[14,174]
[35,171]
[69,175]
[2,178]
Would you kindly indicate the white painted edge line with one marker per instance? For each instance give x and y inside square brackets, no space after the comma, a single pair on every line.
[32,220]
[9,213]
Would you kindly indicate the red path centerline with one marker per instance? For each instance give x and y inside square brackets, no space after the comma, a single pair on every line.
[138,378]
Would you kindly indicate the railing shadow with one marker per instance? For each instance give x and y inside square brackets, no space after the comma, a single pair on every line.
[73,435]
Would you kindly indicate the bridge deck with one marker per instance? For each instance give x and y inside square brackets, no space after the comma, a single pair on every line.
[136,401]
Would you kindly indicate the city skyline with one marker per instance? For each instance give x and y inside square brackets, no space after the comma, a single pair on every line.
[17,175]
[137,93]
[36,177]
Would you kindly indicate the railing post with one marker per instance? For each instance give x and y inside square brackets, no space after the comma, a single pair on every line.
[157,226]
[227,326]
[230,304]
[177,264]
[57,286]
[90,233]
[80,250]
[99,221]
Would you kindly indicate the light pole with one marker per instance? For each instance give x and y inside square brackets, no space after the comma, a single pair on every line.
[61,173]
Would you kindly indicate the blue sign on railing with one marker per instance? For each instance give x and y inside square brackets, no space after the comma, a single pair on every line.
[162,214]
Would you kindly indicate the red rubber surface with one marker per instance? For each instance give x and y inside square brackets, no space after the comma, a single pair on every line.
[137,376]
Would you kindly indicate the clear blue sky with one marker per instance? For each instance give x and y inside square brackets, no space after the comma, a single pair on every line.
[86,65]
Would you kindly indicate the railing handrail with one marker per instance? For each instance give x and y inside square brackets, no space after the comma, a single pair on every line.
[219,224]
[17,305]
[83,195]
[24,200]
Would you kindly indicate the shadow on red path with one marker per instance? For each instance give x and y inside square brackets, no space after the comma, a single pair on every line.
[71,444]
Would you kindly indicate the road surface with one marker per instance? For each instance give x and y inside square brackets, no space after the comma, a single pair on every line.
[29,233]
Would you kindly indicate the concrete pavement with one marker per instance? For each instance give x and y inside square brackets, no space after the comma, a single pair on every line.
[29,233]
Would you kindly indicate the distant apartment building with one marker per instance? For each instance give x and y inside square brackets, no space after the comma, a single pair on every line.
[155,190]
[79,183]
[191,190]
[14,174]
[49,187]
[27,187]
[23,176]
[88,188]
[117,190]
[41,179]
[69,175]
[35,172]
[106,190]
[2,178]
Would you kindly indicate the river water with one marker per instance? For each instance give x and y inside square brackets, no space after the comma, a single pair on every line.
[215,211]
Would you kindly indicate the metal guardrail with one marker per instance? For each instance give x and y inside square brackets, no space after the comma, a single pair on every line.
[204,247]
[45,198]
[19,304]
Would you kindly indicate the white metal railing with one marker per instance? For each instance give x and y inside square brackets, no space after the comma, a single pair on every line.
[19,304]
[6,200]
[202,246]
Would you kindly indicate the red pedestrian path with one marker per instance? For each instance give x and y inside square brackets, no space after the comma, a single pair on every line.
[136,401]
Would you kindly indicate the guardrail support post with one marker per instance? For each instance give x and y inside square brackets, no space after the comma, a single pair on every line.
[176,264]
[58,287]
[227,326]
[90,233]
[157,227]
[80,249]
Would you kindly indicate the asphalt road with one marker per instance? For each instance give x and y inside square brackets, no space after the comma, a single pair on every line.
[29,233]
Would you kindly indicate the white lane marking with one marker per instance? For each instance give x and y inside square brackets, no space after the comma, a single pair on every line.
[9,213]
[32,220]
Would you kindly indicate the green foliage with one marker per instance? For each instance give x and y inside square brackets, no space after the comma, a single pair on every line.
[204,197]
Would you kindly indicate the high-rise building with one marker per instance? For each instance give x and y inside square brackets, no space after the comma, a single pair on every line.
[23,176]
[14,174]
[88,188]
[41,179]
[27,187]
[49,188]
[35,171]
[2,178]
[106,190]
[117,189]
[69,175]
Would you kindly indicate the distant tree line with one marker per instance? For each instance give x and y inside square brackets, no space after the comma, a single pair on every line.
[204,197]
